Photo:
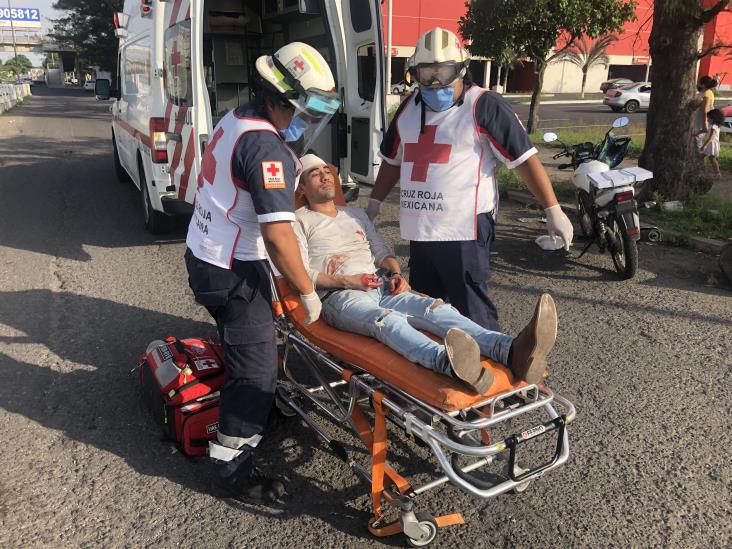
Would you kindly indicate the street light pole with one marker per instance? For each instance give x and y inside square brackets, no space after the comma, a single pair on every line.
[12,31]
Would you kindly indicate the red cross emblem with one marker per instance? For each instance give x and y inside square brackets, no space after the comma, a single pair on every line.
[299,65]
[175,58]
[273,170]
[208,163]
[425,152]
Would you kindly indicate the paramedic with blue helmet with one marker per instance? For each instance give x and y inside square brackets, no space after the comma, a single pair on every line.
[444,146]
[244,209]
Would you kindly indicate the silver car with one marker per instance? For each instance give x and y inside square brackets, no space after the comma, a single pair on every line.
[630,98]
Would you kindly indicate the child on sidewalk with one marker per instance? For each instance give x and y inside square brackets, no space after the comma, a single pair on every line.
[710,147]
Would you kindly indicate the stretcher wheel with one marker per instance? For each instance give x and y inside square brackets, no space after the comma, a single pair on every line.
[428,525]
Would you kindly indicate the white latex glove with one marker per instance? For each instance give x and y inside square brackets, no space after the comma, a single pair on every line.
[312,305]
[558,224]
[372,210]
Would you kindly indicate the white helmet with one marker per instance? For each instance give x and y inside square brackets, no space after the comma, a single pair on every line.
[438,59]
[300,73]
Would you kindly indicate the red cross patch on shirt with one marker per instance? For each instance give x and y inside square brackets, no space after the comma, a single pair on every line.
[273,175]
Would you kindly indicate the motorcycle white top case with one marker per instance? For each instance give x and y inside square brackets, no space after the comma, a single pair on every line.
[183,64]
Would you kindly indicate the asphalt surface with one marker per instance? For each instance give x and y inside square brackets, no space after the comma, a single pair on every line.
[575,116]
[83,289]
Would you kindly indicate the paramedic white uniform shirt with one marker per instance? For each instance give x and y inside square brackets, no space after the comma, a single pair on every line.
[248,176]
[447,174]
[346,244]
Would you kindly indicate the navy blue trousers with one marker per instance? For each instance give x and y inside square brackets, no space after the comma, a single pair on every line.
[240,301]
[458,272]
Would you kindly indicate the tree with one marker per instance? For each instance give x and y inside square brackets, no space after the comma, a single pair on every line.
[535,27]
[669,149]
[18,65]
[585,55]
[88,28]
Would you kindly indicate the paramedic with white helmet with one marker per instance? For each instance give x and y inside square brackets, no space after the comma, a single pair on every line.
[444,146]
[244,207]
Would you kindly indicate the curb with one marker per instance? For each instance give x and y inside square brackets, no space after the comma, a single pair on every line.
[673,238]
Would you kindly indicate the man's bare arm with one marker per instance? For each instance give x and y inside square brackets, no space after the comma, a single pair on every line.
[387,177]
[532,172]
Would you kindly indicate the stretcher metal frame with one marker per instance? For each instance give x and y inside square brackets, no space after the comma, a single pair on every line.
[449,435]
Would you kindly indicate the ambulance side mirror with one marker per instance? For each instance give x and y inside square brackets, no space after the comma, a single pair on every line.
[102,89]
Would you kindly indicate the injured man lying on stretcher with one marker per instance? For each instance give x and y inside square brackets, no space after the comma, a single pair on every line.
[359,281]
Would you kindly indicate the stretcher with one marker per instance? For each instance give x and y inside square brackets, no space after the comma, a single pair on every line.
[359,383]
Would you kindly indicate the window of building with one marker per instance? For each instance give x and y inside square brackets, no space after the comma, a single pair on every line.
[177,64]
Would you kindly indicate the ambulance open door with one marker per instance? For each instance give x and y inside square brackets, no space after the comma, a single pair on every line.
[357,26]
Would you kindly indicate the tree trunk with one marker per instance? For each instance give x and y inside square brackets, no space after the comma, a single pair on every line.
[505,79]
[536,96]
[584,81]
[498,79]
[670,151]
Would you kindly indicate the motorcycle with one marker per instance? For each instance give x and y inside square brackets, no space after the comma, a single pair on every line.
[606,205]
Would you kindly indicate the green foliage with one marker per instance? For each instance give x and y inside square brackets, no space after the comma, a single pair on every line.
[702,216]
[534,27]
[88,28]
[17,65]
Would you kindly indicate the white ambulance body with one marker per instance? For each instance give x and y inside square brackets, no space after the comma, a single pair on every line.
[183,64]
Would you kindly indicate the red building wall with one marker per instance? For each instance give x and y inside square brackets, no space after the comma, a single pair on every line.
[411,18]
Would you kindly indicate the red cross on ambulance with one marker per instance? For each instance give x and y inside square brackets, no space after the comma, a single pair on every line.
[175,58]
[425,152]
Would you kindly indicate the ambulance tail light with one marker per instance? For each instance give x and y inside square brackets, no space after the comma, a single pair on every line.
[159,140]
[624,196]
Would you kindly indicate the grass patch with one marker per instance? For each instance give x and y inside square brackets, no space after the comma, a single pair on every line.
[702,216]
[573,137]
[510,181]
[637,143]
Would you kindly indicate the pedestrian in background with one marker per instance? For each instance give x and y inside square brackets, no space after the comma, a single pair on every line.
[710,147]
[701,127]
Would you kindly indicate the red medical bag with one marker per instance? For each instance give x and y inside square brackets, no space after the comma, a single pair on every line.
[180,387]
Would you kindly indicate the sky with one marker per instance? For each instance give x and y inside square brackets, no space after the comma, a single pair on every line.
[47,13]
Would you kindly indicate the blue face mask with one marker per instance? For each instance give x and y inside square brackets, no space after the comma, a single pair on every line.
[438,99]
[294,131]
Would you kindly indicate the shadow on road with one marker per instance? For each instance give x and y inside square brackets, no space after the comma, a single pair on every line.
[91,396]
[68,199]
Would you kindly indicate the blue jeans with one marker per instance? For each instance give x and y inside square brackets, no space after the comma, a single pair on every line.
[395,320]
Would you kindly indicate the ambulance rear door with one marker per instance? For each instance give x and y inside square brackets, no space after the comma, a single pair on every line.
[181,49]
[360,59]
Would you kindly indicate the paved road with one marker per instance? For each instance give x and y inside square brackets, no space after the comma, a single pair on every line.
[83,289]
[576,116]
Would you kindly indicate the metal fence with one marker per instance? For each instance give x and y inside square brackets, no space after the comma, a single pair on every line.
[12,94]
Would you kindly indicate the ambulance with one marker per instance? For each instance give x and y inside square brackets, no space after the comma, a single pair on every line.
[183,64]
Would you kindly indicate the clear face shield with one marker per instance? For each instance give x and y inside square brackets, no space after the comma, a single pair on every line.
[313,110]
[313,113]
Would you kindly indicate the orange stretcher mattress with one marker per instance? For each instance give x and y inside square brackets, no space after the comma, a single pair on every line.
[387,365]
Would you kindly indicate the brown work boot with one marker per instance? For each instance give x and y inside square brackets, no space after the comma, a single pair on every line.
[531,347]
[463,354]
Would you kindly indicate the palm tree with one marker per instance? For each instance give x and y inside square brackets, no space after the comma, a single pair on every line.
[585,55]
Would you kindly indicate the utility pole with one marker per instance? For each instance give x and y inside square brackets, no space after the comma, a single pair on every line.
[12,31]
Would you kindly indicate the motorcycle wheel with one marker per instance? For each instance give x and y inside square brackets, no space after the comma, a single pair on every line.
[585,221]
[625,256]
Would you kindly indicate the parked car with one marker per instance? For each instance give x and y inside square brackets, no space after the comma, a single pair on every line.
[402,87]
[629,98]
[614,83]
[89,85]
